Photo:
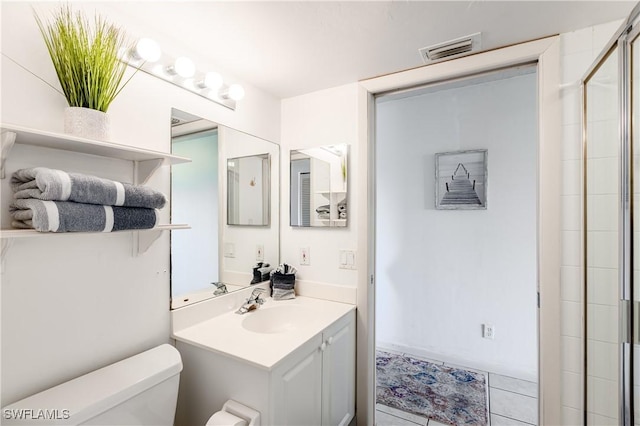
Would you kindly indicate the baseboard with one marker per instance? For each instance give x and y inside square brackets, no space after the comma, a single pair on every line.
[457,361]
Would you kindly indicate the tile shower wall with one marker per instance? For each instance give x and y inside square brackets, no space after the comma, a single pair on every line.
[578,50]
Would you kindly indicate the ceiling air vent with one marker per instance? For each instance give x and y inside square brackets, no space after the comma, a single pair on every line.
[451,49]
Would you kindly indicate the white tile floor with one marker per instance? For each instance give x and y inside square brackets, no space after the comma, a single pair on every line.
[512,402]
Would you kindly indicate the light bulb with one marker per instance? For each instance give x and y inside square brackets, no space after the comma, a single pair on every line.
[147,50]
[236,92]
[213,80]
[183,66]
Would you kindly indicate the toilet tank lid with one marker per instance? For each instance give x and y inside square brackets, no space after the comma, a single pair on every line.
[96,392]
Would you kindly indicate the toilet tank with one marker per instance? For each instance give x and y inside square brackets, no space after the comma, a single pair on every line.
[140,390]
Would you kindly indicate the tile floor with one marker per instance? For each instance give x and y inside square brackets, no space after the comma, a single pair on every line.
[512,402]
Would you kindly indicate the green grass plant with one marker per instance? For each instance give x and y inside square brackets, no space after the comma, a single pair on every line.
[85,57]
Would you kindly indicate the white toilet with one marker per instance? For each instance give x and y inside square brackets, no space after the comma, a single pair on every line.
[141,390]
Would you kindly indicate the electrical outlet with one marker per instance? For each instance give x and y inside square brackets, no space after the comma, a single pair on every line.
[259,252]
[305,256]
[488,331]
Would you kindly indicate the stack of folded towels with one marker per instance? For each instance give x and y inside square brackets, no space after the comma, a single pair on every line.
[324,212]
[49,200]
[283,281]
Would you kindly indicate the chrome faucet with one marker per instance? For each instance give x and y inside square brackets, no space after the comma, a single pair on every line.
[220,289]
[253,302]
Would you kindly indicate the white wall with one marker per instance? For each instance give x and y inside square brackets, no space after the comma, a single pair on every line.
[71,304]
[441,274]
[327,117]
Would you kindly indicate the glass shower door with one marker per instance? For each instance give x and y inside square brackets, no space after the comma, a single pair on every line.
[604,349]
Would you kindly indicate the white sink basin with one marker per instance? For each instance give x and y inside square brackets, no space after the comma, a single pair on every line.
[278,318]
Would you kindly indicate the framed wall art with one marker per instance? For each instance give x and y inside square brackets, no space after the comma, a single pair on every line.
[461,180]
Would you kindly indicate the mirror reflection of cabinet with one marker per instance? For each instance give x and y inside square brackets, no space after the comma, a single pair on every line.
[248,185]
[318,186]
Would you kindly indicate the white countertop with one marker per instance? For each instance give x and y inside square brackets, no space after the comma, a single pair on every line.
[225,334]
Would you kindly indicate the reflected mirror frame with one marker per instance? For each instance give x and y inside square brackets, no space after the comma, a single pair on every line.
[266,186]
[344,171]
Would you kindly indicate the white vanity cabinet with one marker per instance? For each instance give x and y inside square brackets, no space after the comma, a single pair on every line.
[316,384]
[296,378]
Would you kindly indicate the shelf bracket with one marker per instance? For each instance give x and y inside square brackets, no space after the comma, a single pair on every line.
[6,245]
[144,169]
[142,240]
[8,140]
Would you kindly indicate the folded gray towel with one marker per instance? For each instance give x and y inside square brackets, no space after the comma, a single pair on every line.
[56,185]
[280,294]
[323,209]
[66,216]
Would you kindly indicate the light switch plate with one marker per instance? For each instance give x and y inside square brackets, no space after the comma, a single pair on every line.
[229,250]
[347,259]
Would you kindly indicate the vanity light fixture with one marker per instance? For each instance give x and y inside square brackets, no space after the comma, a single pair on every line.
[147,56]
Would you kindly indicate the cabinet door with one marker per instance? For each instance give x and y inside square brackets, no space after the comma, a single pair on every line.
[297,387]
[338,372]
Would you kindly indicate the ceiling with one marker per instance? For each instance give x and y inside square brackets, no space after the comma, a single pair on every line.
[291,48]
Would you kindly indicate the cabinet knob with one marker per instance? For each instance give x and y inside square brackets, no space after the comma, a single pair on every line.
[330,340]
[323,346]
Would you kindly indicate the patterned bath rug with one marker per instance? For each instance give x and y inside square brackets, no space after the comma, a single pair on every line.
[445,394]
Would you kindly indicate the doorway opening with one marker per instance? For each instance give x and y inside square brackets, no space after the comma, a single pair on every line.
[456,275]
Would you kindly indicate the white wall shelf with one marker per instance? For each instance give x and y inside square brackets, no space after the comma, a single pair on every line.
[146,162]
[143,238]
[330,192]
[29,233]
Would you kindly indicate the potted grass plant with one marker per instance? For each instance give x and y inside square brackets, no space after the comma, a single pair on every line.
[85,55]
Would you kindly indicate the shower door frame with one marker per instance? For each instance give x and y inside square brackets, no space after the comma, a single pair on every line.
[621,41]
[546,53]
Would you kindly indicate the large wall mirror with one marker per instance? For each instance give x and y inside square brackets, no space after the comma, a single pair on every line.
[213,258]
[318,189]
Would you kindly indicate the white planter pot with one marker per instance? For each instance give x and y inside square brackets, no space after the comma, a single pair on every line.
[86,123]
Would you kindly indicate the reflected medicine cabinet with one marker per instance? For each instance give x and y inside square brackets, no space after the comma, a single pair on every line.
[248,190]
[318,186]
